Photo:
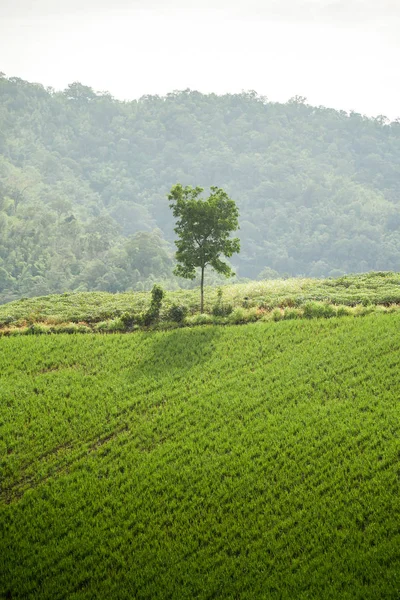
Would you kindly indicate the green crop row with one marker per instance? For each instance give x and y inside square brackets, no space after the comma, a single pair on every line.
[239,462]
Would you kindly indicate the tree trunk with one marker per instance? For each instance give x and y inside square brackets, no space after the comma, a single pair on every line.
[202,291]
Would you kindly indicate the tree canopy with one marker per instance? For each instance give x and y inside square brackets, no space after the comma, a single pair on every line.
[203,228]
[83,179]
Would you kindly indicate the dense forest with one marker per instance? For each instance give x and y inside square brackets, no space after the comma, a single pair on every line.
[84,179]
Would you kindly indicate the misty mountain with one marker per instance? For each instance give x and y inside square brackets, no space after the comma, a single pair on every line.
[84,179]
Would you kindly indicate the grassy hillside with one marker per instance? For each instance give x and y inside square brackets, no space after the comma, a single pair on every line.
[273,299]
[239,462]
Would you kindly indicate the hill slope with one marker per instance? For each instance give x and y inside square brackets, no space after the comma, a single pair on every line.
[84,178]
[255,461]
[257,300]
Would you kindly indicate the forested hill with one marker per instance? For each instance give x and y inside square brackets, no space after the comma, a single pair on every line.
[84,178]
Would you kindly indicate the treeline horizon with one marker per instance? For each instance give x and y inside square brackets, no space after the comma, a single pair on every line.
[84,179]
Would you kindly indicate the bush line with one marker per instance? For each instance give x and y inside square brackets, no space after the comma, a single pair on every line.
[177,316]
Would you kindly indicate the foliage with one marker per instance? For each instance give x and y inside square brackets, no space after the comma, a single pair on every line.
[128,319]
[203,228]
[315,309]
[177,313]
[258,300]
[220,309]
[153,313]
[83,179]
[264,461]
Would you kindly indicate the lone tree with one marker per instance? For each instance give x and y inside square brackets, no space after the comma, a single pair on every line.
[203,227]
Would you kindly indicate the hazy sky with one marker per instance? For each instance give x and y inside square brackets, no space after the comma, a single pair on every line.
[340,53]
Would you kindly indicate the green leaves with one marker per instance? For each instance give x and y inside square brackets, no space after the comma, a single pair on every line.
[203,227]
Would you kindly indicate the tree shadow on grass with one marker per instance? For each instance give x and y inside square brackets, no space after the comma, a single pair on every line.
[173,353]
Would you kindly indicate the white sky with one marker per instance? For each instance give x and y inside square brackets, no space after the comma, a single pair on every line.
[340,53]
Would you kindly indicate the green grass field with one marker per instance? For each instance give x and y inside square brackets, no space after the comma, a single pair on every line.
[259,461]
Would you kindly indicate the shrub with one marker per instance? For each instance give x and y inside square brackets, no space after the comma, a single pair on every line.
[343,311]
[107,314]
[153,313]
[199,319]
[128,320]
[54,320]
[14,331]
[222,310]
[177,313]
[276,314]
[101,327]
[219,309]
[241,315]
[287,302]
[328,311]
[253,314]
[65,328]
[237,316]
[37,329]
[383,309]
[361,311]
[317,310]
[291,313]
[392,308]
[116,325]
